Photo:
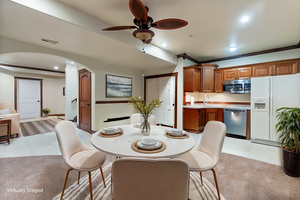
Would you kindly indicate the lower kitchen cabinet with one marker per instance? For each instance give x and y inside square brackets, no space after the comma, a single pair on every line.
[196,119]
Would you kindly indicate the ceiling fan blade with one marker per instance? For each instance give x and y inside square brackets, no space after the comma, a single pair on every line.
[118,28]
[168,24]
[138,10]
[148,41]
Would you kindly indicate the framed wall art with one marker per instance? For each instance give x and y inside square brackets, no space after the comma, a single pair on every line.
[118,86]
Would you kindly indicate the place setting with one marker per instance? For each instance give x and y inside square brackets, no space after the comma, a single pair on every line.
[176,134]
[111,132]
[148,145]
[137,125]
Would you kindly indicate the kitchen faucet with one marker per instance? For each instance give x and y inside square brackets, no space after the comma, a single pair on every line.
[204,98]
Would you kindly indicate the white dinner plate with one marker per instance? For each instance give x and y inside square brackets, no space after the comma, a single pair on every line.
[148,142]
[156,146]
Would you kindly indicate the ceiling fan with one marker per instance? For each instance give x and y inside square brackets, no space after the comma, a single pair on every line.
[144,22]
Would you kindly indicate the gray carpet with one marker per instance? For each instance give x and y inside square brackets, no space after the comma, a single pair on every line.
[239,178]
[37,127]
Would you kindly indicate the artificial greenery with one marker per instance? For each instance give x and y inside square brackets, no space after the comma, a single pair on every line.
[145,109]
[288,128]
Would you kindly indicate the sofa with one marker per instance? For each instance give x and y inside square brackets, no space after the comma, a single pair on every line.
[15,120]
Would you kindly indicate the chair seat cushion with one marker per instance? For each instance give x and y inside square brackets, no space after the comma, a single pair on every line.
[198,160]
[87,160]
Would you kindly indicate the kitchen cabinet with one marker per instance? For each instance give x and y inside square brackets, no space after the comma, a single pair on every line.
[229,74]
[211,114]
[191,79]
[218,81]
[237,73]
[262,70]
[207,83]
[220,115]
[285,68]
[191,119]
[243,73]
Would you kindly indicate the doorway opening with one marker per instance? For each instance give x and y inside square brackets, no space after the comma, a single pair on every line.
[164,88]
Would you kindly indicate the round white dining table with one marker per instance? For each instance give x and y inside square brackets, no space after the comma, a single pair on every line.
[121,145]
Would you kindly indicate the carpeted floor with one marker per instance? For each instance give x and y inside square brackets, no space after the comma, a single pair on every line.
[37,127]
[238,177]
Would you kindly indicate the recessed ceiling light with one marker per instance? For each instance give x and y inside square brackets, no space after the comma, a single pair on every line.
[55,67]
[164,44]
[245,19]
[72,62]
[232,48]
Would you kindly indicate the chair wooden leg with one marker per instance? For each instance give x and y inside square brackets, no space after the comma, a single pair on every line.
[62,194]
[102,176]
[201,178]
[91,188]
[78,177]
[117,157]
[215,176]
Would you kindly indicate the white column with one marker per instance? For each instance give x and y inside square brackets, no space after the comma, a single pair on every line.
[71,90]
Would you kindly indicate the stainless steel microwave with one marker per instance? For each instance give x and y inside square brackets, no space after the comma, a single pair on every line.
[237,86]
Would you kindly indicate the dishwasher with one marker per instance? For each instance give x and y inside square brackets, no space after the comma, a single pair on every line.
[235,121]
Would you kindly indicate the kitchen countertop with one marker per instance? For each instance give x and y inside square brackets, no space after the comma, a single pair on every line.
[229,106]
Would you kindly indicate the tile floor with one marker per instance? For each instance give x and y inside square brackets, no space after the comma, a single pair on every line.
[46,144]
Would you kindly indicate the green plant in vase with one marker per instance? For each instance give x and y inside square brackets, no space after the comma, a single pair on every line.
[145,110]
[46,111]
[288,128]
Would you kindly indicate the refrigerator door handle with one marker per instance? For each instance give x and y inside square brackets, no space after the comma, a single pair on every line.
[268,108]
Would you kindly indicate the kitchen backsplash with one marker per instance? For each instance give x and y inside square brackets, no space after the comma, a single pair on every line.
[219,97]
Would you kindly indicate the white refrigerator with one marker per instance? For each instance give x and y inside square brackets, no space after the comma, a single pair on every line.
[267,95]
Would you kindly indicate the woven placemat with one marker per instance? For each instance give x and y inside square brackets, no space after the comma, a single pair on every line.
[137,149]
[110,135]
[177,137]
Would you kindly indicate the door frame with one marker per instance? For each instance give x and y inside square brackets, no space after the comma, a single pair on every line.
[16,91]
[78,96]
[175,74]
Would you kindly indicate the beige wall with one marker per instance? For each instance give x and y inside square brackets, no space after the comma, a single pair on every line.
[52,90]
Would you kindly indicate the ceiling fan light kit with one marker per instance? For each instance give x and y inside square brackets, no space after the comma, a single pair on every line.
[144,22]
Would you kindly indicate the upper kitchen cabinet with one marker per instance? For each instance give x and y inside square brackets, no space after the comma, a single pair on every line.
[262,70]
[218,81]
[243,73]
[207,83]
[191,79]
[237,73]
[284,68]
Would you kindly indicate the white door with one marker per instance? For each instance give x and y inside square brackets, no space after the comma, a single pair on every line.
[28,98]
[285,93]
[167,95]
[260,89]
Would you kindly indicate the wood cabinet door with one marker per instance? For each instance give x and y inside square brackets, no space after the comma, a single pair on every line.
[244,73]
[196,80]
[211,114]
[207,82]
[219,81]
[188,79]
[202,119]
[285,68]
[190,119]
[220,115]
[261,71]
[229,74]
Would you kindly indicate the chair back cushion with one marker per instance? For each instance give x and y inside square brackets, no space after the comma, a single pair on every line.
[5,105]
[152,120]
[149,179]
[212,139]
[5,111]
[135,118]
[68,140]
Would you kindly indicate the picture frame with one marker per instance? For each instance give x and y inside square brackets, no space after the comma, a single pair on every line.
[118,86]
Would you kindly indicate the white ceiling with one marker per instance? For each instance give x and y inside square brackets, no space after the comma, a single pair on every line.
[214,24]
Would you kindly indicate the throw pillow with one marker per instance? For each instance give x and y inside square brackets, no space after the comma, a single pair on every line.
[5,111]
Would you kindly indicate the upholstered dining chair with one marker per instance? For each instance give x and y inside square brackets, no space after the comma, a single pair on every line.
[149,179]
[76,155]
[206,155]
[136,118]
